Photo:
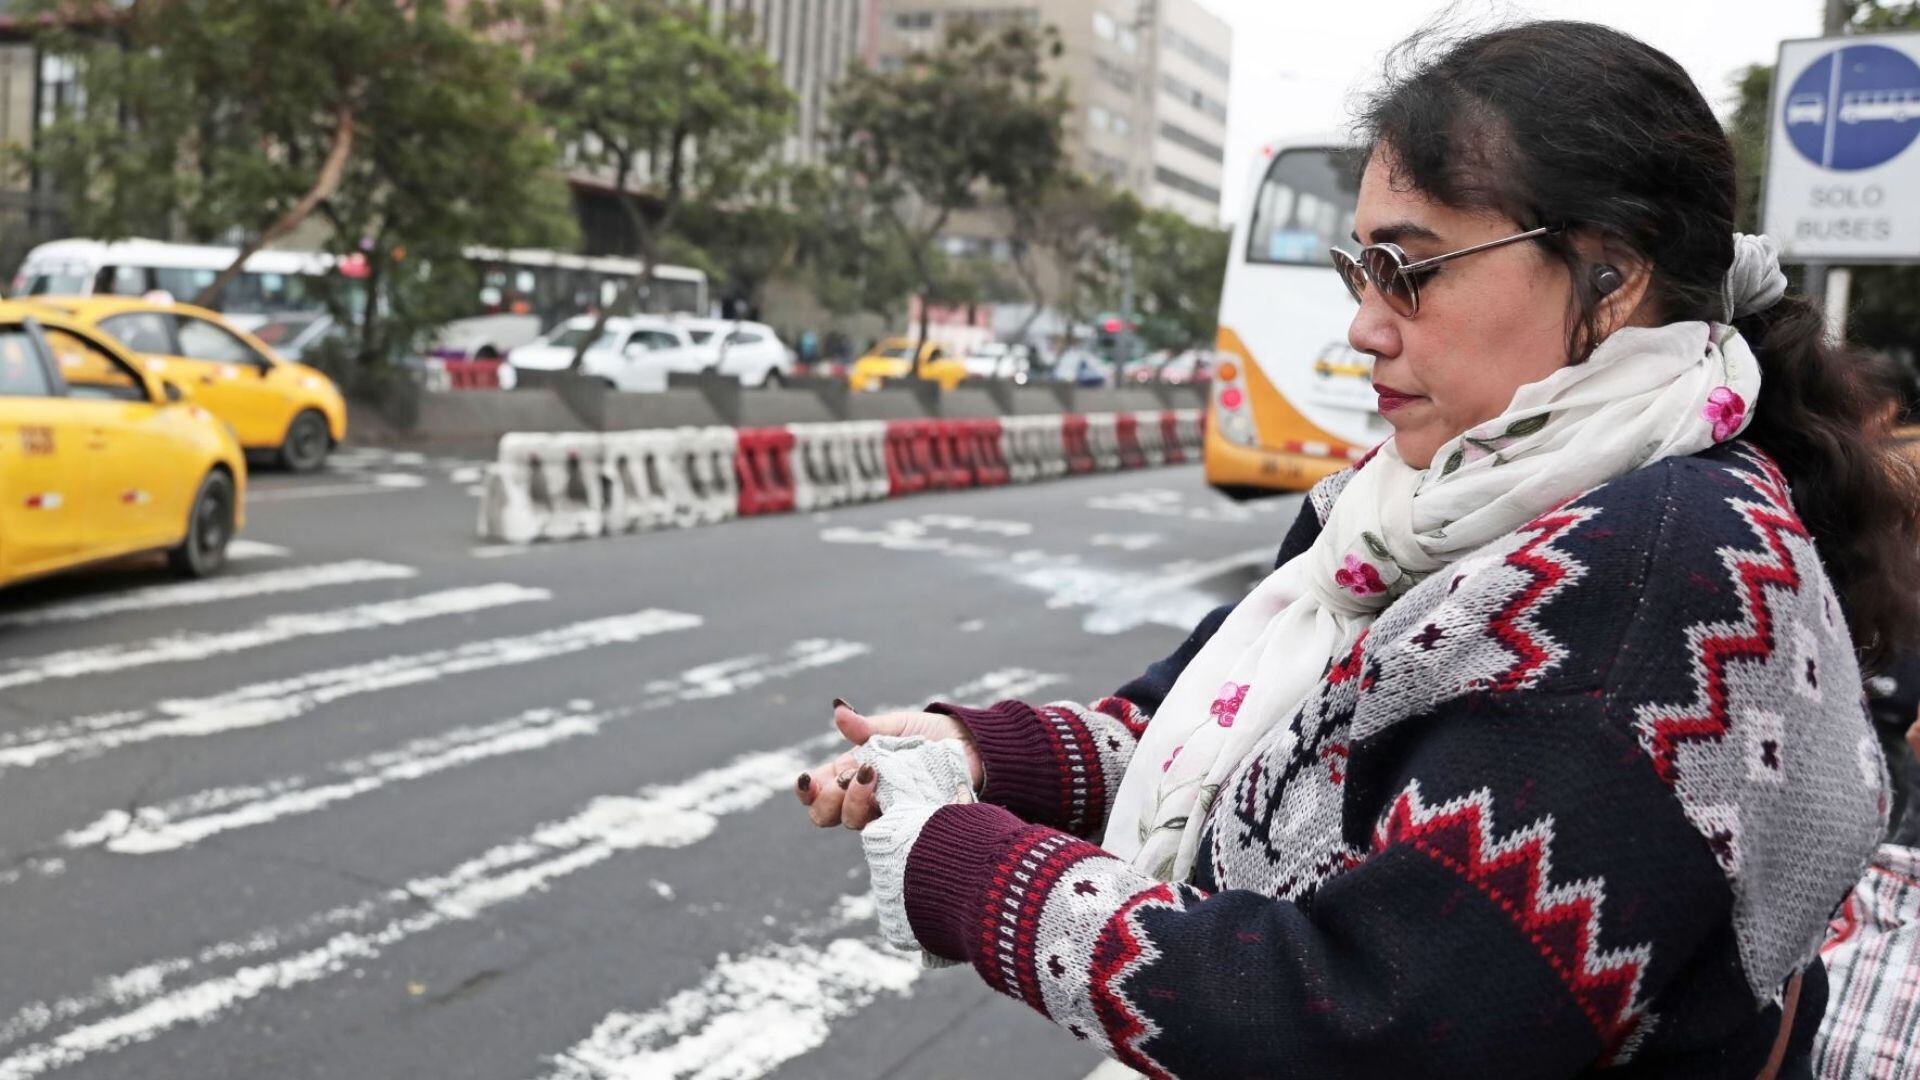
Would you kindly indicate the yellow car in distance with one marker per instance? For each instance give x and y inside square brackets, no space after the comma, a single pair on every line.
[892,358]
[274,405]
[99,458]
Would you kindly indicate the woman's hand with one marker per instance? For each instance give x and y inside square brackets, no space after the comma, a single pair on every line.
[841,792]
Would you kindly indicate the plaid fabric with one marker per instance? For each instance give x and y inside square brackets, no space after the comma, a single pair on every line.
[1872,1027]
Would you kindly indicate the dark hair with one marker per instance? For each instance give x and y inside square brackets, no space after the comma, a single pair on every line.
[1574,124]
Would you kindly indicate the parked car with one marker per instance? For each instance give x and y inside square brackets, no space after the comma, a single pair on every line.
[996,360]
[893,358]
[1080,367]
[104,458]
[294,334]
[273,405]
[1191,366]
[749,351]
[634,353]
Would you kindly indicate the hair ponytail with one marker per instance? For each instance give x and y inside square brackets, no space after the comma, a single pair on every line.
[1820,416]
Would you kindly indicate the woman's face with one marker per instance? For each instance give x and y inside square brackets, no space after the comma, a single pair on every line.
[1488,323]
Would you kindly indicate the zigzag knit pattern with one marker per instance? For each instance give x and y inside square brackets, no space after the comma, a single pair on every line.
[1585,799]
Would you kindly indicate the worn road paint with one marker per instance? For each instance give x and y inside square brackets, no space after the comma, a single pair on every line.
[273,630]
[138,1005]
[752,1013]
[260,704]
[182,822]
[188,593]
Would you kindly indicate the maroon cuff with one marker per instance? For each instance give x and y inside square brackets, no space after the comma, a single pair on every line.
[949,871]
[1022,765]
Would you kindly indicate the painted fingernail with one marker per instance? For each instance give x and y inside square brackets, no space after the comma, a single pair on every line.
[840,703]
[865,775]
[804,784]
[845,779]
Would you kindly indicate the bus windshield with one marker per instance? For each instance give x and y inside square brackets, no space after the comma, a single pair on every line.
[1290,401]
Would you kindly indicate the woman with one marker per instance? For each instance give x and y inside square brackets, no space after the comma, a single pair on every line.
[1542,749]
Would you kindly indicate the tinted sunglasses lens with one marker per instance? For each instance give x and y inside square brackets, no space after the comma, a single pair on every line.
[1351,275]
[1396,288]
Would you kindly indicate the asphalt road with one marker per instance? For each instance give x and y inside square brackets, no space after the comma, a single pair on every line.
[380,801]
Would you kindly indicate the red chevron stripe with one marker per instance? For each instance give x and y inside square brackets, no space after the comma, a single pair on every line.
[1516,881]
[1772,566]
[1548,575]
[1115,954]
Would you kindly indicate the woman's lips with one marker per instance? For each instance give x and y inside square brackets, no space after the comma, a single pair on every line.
[1391,399]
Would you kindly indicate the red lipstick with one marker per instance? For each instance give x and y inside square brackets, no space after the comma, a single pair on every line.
[1391,399]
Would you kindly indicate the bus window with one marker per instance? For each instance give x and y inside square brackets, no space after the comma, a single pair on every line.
[1305,206]
[182,284]
[121,281]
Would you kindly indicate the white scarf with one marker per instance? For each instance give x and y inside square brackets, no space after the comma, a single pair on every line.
[1645,394]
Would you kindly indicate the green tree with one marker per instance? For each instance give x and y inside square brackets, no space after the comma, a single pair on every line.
[240,119]
[1075,225]
[649,91]
[971,119]
[1884,306]
[1178,269]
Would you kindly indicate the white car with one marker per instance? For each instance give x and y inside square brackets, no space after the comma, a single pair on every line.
[748,351]
[636,353]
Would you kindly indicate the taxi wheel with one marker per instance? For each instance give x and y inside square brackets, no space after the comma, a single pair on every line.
[209,527]
[306,444]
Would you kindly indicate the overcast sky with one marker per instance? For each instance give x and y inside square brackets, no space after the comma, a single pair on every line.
[1295,62]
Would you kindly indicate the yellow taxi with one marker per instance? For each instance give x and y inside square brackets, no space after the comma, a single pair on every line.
[99,458]
[892,358]
[272,404]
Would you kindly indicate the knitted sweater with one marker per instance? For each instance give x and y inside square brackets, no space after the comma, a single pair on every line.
[1587,798]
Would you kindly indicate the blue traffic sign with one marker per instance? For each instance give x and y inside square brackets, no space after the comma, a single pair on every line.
[1854,108]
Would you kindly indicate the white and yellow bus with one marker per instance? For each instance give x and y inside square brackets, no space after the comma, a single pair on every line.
[1291,401]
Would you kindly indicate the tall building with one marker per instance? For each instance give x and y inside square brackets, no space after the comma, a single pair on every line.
[1146,81]
[813,42]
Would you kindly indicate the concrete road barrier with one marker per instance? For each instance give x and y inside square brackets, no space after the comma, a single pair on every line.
[570,485]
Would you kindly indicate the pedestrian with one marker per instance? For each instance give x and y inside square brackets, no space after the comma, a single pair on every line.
[1542,749]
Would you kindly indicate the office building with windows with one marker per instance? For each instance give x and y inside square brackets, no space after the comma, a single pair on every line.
[1147,82]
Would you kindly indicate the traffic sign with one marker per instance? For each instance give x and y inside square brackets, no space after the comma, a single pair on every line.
[1843,153]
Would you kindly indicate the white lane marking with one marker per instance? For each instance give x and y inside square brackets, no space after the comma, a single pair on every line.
[500,551]
[135,1006]
[752,1013]
[184,593]
[186,820]
[244,550]
[273,630]
[315,491]
[1127,541]
[467,474]
[1121,599]
[260,704]
[398,480]
[1167,502]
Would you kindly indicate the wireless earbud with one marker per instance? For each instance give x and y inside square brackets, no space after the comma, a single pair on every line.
[1606,279]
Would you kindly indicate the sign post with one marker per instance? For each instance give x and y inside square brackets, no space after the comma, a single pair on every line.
[1843,153]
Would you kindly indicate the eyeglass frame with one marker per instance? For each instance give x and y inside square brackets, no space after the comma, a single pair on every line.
[1409,271]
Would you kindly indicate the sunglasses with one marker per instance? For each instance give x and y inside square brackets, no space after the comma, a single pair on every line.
[1388,270]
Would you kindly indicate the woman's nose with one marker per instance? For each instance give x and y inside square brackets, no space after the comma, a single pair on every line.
[1375,329]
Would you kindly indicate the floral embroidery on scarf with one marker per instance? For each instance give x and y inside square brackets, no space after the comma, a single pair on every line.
[1168,764]
[1476,445]
[1725,411]
[1227,705]
[1359,578]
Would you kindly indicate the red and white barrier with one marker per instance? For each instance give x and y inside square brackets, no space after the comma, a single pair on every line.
[560,486]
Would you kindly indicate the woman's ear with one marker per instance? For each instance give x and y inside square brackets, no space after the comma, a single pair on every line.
[1619,279]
